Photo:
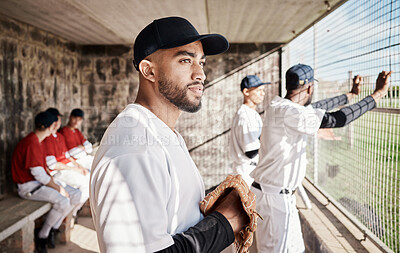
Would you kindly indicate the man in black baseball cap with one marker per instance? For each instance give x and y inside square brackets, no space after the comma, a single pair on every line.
[54,111]
[143,157]
[78,146]
[44,120]
[77,113]
[173,32]
[282,163]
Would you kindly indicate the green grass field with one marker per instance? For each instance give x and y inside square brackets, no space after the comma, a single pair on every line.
[362,171]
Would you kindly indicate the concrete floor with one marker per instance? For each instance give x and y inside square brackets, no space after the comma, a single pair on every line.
[83,239]
[333,234]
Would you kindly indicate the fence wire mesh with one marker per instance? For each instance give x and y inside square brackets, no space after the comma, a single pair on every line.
[357,165]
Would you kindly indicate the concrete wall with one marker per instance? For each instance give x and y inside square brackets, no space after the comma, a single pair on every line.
[109,83]
[40,70]
[37,70]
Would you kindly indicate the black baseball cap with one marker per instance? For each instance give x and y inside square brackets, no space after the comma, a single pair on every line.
[173,32]
[77,113]
[251,81]
[298,75]
[45,119]
[54,111]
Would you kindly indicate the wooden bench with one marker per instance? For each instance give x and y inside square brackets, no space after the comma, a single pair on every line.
[17,223]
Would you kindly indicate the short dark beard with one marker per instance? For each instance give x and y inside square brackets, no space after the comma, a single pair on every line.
[177,96]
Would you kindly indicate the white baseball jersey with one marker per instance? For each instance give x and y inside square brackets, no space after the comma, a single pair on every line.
[282,164]
[144,185]
[283,143]
[244,136]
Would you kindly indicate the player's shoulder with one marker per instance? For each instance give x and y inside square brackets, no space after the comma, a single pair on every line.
[31,142]
[134,130]
[284,104]
[244,111]
[31,138]
[49,139]
[63,130]
[132,120]
[246,114]
[77,131]
[60,137]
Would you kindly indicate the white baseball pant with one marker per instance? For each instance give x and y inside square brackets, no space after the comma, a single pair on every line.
[280,231]
[86,161]
[61,205]
[78,181]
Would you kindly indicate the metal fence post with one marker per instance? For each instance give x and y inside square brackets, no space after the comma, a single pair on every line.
[315,146]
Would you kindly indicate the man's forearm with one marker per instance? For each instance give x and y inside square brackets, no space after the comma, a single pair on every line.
[73,161]
[53,185]
[61,166]
[347,114]
[330,103]
[212,234]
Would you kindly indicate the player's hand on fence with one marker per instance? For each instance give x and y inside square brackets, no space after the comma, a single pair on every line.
[382,85]
[357,81]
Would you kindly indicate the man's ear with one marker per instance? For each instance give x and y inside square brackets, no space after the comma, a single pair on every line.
[245,92]
[310,88]
[146,67]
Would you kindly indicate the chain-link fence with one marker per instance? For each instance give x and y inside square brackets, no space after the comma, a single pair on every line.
[358,165]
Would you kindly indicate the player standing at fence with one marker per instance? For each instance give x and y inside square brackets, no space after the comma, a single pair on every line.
[145,188]
[282,164]
[28,167]
[244,137]
[78,146]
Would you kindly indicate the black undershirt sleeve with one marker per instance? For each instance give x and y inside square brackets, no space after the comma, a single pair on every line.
[330,103]
[212,234]
[347,114]
[251,154]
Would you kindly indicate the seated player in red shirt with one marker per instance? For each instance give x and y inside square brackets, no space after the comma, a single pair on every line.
[28,168]
[62,165]
[78,146]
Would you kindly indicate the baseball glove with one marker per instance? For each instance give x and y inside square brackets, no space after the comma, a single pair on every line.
[244,238]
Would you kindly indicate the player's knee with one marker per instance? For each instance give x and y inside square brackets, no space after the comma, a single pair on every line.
[62,204]
[75,197]
[84,197]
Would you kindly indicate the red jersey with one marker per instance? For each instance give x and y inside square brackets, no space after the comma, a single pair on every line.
[27,154]
[73,138]
[56,146]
